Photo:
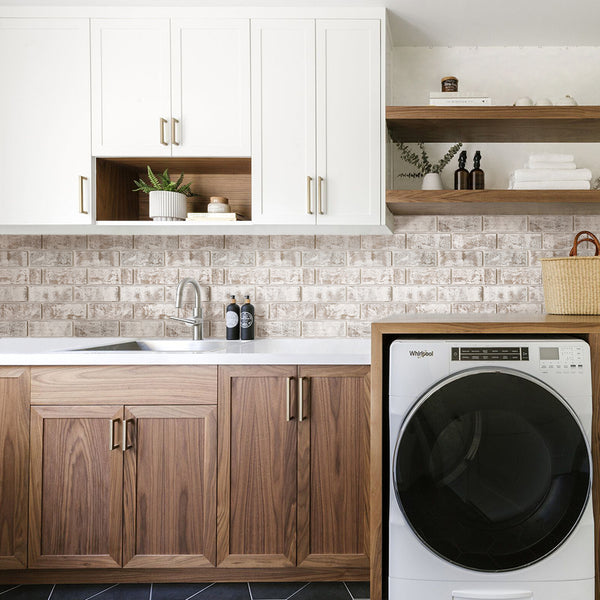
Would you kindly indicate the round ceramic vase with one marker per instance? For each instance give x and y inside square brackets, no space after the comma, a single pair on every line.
[432,181]
[167,206]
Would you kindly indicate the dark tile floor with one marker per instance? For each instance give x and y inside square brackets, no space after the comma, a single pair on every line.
[186,591]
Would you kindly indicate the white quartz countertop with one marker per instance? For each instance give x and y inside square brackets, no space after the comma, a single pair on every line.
[282,351]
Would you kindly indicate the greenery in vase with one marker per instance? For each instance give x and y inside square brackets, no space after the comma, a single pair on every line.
[420,160]
[162,183]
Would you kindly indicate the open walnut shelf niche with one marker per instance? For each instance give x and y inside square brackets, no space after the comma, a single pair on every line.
[115,200]
[494,124]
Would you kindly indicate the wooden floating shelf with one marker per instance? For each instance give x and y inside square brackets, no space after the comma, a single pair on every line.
[494,123]
[419,202]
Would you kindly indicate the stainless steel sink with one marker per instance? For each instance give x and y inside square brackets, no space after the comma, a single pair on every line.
[158,346]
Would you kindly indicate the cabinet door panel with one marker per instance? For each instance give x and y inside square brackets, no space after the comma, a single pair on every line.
[283,121]
[257,468]
[170,487]
[131,87]
[76,488]
[14,460]
[333,467]
[44,120]
[211,87]
[349,121]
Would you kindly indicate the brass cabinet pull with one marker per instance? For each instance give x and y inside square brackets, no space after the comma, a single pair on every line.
[308,195]
[163,122]
[81,180]
[301,399]
[174,123]
[126,422]
[320,196]
[112,444]
[288,399]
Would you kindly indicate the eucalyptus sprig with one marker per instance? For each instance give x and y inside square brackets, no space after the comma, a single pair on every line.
[162,182]
[420,160]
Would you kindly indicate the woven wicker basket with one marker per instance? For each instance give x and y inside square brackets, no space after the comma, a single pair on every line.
[572,284]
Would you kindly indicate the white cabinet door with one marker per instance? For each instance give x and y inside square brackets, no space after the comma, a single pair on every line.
[349,121]
[283,121]
[131,80]
[44,121]
[210,61]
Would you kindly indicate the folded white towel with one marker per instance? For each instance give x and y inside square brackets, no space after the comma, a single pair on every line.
[549,157]
[532,164]
[549,185]
[552,175]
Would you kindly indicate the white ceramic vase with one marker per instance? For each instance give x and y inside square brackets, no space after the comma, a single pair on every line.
[432,181]
[167,206]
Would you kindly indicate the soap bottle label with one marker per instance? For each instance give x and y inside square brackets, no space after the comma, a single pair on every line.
[247,319]
[231,319]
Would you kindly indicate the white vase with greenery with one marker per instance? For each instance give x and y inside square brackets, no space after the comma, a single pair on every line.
[167,199]
[428,171]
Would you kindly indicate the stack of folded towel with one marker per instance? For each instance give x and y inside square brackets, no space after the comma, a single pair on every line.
[550,172]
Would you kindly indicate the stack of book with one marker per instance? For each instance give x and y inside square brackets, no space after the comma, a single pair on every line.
[213,217]
[458,99]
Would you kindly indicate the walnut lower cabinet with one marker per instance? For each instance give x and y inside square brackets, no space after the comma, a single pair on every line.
[293,466]
[14,458]
[129,482]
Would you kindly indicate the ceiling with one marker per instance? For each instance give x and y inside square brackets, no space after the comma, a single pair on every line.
[436,22]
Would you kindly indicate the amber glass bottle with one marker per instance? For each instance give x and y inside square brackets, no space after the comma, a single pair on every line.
[461,175]
[476,176]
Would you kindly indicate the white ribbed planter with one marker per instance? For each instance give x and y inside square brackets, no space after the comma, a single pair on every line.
[432,181]
[167,206]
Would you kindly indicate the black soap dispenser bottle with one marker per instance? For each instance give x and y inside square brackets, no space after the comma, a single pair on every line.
[476,176]
[247,320]
[461,175]
[232,320]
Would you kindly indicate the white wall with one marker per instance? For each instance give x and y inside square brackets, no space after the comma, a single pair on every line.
[505,74]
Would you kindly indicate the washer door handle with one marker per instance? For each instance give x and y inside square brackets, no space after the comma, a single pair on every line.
[491,595]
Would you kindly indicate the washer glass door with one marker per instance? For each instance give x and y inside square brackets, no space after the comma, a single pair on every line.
[492,470]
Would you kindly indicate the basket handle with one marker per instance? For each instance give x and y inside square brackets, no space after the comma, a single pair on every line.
[590,238]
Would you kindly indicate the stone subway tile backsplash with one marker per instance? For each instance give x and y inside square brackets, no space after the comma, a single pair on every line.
[301,285]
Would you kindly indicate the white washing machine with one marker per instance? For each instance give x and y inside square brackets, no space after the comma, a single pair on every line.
[490,470]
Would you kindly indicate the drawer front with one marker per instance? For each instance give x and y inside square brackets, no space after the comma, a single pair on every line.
[124,384]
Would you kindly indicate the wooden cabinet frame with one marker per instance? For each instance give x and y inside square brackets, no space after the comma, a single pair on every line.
[383,333]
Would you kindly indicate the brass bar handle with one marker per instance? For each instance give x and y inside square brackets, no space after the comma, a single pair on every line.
[300,399]
[163,122]
[174,123]
[288,399]
[112,444]
[125,445]
[309,195]
[81,180]
[320,196]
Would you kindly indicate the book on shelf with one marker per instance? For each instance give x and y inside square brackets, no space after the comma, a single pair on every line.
[459,99]
[213,217]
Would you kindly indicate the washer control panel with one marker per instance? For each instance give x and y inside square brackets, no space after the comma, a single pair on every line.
[564,359]
[490,353]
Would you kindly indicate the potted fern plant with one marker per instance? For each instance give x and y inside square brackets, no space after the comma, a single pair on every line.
[430,172]
[168,199]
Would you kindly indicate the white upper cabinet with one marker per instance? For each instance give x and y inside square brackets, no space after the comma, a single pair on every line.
[316,121]
[283,121]
[348,122]
[131,87]
[210,87]
[45,121]
[170,88]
